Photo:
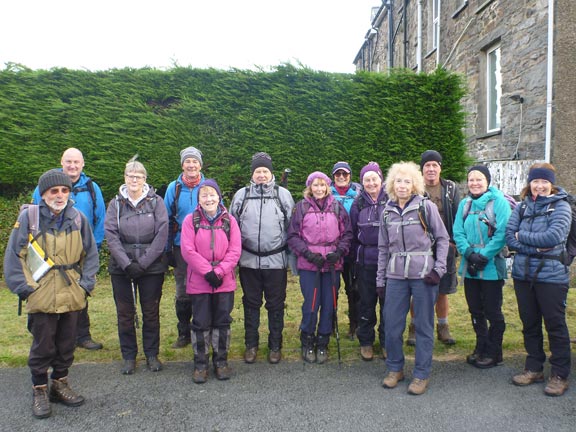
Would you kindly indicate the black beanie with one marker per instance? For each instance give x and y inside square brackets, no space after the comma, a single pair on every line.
[52,178]
[430,155]
[483,169]
[261,159]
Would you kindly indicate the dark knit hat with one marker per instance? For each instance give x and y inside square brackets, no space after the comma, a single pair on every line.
[54,177]
[371,166]
[320,175]
[483,169]
[191,152]
[344,166]
[211,183]
[430,155]
[261,159]
[542,173]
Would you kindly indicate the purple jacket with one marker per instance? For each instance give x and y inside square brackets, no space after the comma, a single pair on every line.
[210,249]
[405,251]
[321,231]
[365,216]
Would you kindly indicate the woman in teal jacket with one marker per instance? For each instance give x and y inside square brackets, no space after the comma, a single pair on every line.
[479,233]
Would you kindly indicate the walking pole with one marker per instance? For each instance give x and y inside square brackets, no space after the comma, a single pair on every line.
[333,273]
[136,322]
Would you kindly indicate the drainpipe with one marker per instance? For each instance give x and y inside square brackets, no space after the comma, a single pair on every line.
[419,38]
[405,14]
[438,33]
[390,6]
[549,81]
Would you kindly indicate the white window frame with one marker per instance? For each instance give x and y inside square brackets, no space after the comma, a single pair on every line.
[435,23]
[493,88]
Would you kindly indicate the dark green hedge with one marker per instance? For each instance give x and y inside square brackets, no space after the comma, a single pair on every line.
[305,119]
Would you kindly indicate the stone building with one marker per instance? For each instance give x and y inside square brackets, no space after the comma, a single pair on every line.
[517,57]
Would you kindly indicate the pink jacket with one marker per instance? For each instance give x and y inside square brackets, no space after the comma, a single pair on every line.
[210,249]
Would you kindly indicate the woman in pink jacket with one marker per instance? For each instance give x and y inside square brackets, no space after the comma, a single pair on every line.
[211,245]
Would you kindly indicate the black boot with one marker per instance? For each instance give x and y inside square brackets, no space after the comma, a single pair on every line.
[493,352]
[40,403]
[308,349]
[275,327]
[322,348]
[251,325]
[184,315]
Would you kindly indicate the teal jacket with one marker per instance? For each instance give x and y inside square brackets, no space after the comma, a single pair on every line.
[471,234]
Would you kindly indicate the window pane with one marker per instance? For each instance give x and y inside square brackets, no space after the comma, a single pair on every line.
[494,89]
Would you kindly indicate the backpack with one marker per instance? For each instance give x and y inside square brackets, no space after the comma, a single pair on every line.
[275,198]
[34,219]
[423,216]
[225,223]
[570,244]
[490,218]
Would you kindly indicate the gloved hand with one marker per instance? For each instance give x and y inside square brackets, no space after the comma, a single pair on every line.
[432,278]
[381,290]
[478,260]
[333,257]
[213,279]
[134,270]
[315,258]
[472,270]
[24,295]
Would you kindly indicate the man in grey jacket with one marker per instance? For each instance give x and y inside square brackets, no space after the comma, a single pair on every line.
[263,210]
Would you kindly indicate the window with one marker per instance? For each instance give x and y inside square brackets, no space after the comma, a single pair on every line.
[435,21]
[493,88]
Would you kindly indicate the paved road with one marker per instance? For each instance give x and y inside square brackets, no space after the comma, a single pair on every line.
[289,397]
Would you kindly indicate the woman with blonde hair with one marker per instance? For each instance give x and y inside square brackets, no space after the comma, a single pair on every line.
[537,231]
[320,235]
[412,250]
[136,228]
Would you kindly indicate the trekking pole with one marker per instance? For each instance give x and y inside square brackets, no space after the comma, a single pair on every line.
[136,322]
[19,306]
[333,273]
[284,179]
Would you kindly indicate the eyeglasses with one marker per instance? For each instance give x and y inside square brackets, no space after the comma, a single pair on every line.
[56,191]
[134,177]
[341,174]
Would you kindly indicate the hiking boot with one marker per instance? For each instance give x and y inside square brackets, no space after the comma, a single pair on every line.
[471,358]
[392,379]
[308,354]
[223,373]
[367,352]
[556,386]
[527,377]
[274,356]
[181,342]
[383,354]
[351,331]
[154,365]
[411,340]
[129,367]
[89,344]
[418,386]
[60,391]
[487,362]
[250,355]
[444,336]
[200,376]
[322,356]
[40,404]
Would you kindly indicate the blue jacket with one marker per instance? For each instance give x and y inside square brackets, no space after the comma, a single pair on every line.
[187,203]
[546,230]
[347,200]
[83,201]
[471,235]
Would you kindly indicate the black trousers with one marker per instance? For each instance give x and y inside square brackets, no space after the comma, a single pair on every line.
[83,325]
[367,307]
[544,301]
[148,289]
[53,344]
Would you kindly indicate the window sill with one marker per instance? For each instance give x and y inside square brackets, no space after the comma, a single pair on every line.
[489,134]
[483,6]
[429,53]
[460,9]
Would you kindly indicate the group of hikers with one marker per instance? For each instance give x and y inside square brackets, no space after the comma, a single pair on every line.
[393,240]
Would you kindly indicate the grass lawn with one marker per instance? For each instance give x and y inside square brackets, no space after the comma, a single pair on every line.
[15,340]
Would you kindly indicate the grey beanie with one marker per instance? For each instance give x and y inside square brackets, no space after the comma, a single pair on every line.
[54,177]
[191,152]
[261,159]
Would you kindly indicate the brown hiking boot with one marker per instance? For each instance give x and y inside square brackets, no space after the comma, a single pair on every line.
[40,403]
[556,386]
[411,340]
[527,377]
[223,373]
[60,391]
[444,336]
[250,355]
[200,376]
[418,386]
[367,352]
[274,356]
[392,379]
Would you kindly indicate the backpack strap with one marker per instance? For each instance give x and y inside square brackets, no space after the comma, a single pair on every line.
[197,223]
[89,188]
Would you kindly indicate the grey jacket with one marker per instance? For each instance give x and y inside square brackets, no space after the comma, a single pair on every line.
[263,213]
[137,232]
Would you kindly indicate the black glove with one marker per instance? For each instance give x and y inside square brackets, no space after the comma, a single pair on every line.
[381,290]
[134,270]
[23,295]
[432,278]
[478,260]
[213,279]
[315,258]
[472,270]
[333,257]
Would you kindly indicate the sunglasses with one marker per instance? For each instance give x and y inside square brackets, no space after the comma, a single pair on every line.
[341,174]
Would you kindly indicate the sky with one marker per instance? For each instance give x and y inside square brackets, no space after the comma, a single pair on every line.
[323,35]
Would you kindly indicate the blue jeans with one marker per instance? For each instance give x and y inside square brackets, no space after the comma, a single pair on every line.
[396,307]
